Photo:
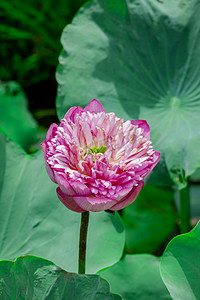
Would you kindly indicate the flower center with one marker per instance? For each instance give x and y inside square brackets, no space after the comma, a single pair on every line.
[98,150]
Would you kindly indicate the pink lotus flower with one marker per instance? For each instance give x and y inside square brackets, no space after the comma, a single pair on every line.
[98,160]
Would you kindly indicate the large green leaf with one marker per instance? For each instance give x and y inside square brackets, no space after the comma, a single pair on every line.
[180,266]
[141,60]
[33,278]
[137,277]
[150,220]
[15,119]
[33,221]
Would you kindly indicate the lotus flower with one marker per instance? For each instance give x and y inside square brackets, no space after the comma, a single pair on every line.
[98,160]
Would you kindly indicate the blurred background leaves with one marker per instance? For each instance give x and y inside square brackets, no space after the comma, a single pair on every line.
[16,121]
[30,44]
[30,38]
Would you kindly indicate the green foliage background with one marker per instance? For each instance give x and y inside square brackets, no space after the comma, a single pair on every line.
[30,38]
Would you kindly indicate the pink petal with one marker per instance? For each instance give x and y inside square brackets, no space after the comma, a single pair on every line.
[48,168]
[129,198]
[68,201]
[156,158]
[72,112]
[52,130]
[121,194]
[72,187]
[64,185]
[94,203]
[144,125]
[50,172]
[94,107]
[44,149]
[80,188]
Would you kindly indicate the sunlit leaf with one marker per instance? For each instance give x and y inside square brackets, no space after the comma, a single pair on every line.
[180,266]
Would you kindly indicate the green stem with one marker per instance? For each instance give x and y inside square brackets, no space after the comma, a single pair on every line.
[184,197]
[82,242]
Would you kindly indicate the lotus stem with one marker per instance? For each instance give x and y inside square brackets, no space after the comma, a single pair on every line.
[82,242]
[184,197]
